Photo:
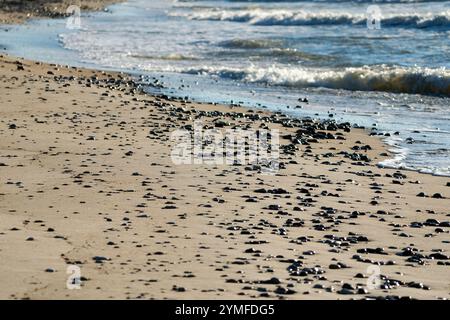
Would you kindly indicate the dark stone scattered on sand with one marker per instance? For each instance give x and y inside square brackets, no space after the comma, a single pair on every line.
[422,195]
[99,259]
[283,291]
[271,281]
[438,256]
[178,289]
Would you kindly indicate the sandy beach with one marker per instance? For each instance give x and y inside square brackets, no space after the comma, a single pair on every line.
[12,11]
[87,182]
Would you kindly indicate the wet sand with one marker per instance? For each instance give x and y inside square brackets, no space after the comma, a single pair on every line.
[87,180]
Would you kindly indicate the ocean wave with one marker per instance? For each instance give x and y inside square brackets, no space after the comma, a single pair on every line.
[294,55]
[251,43]
[273,17]
[267,48]
[413,80]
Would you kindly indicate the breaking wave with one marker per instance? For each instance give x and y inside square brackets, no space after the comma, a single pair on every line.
[303,18]
[414,80]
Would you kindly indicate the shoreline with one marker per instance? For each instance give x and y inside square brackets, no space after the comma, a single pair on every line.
[423,167]
[87,181]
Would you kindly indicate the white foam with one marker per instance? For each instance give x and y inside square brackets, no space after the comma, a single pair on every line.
[368,78]
[400,155]
[258,16]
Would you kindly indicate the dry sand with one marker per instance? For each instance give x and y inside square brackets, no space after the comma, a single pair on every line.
[17,11]
[86,179]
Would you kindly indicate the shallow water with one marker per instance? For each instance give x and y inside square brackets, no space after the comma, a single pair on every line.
[270,54]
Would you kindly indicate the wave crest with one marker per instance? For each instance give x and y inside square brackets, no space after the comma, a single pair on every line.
[303,18]
[414,80]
